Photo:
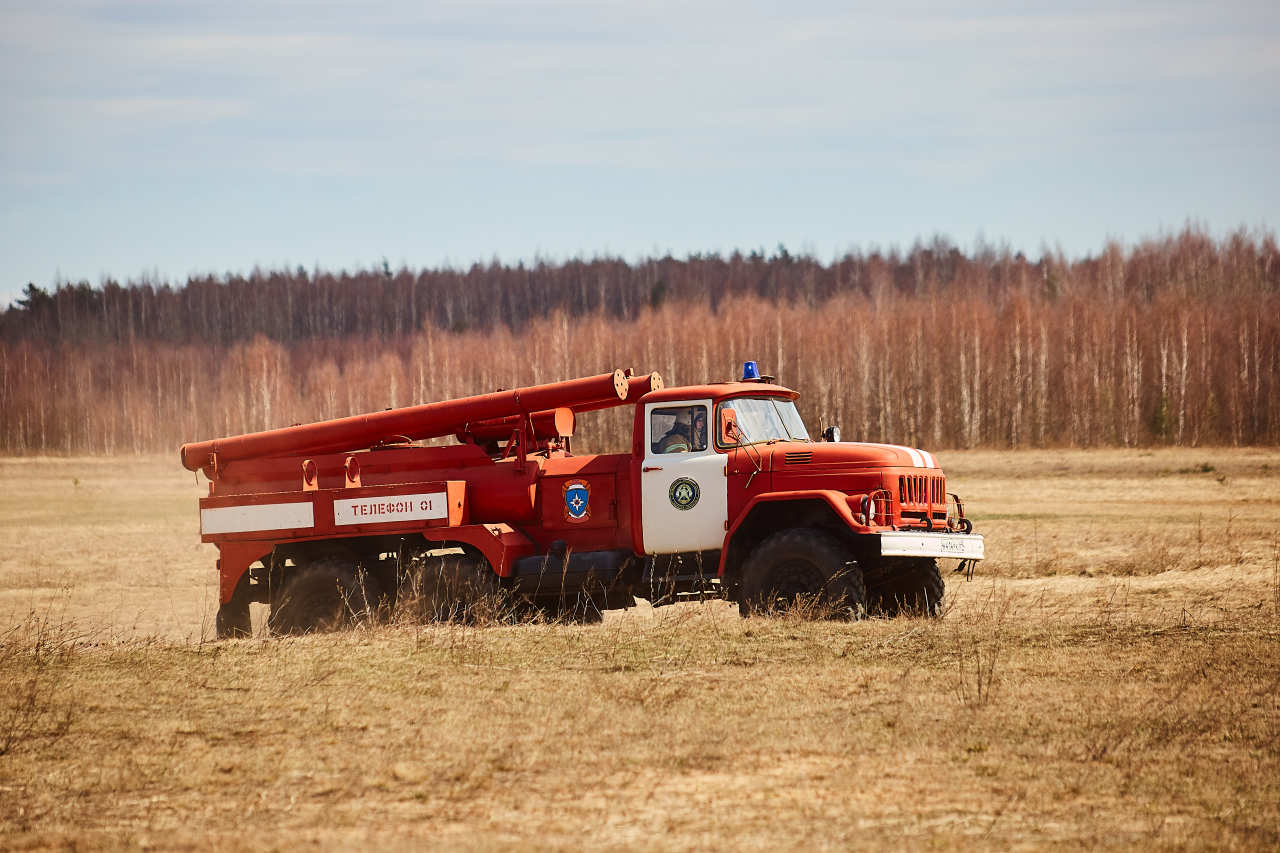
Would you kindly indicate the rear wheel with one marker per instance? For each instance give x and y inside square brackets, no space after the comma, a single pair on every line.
[804,570]
[908,586]
[450,586]
[323,596]
[233,619]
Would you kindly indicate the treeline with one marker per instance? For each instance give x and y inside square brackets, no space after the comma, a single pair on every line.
[297,306]
[1175,341]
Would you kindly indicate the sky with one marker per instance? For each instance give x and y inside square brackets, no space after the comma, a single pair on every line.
[164,139]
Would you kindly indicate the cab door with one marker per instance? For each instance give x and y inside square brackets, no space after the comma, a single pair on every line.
[684,492]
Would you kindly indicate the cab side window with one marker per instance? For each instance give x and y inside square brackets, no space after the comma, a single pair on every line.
[678,429]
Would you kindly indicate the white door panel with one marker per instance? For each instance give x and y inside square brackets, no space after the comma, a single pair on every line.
[684,497]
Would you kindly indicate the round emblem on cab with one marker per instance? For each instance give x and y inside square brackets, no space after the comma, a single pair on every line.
[684,493]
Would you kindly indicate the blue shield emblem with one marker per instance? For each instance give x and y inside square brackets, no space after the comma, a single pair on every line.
[577,500]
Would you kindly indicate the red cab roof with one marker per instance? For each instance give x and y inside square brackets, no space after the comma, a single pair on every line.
[718,391]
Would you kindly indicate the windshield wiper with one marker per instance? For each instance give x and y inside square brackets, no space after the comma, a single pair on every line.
[737,435]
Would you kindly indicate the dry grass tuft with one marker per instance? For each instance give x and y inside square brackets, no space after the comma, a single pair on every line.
[1275,575]
[978,652]
[36,656]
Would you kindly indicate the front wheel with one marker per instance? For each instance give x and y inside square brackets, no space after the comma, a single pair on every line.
[803,570]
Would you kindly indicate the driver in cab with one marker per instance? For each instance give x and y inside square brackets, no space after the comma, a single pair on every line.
[688,433]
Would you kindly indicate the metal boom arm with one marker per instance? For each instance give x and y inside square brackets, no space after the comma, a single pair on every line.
[429,420]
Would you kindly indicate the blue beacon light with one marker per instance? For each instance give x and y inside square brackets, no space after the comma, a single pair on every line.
[750,372]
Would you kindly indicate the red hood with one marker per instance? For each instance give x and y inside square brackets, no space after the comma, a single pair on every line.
[796,455]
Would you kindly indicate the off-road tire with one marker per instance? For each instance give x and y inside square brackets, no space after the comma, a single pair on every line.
[908,586]
[450,588]
[324,596]
[802,568]
[233,620]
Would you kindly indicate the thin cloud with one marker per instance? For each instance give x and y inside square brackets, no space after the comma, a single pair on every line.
[170,109]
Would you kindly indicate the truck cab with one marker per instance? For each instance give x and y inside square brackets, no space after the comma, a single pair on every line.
[729,474]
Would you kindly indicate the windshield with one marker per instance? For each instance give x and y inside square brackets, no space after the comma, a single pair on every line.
[760,419]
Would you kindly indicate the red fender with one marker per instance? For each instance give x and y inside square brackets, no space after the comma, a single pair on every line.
[501,544]
[841,504]
[234,559]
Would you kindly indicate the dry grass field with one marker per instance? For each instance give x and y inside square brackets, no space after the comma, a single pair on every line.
[1110,677]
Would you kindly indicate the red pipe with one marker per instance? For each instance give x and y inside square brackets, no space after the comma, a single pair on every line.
[429,420]
[555,423]
[637,387]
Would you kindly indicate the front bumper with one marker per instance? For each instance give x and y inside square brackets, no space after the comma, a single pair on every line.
[957,546]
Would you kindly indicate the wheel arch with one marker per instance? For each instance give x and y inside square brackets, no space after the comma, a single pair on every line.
[765,515]
[498,544]
[234,560]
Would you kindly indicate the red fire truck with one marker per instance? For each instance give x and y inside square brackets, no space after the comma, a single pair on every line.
[724,494]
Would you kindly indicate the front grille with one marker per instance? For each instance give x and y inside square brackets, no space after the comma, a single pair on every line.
[917,490]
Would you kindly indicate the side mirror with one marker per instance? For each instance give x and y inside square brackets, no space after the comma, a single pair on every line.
[729,431]
[831,433]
